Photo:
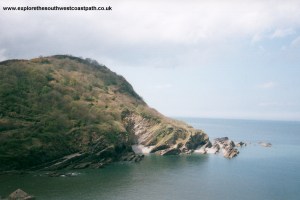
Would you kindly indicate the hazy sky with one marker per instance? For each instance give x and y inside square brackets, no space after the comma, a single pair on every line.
[232,59]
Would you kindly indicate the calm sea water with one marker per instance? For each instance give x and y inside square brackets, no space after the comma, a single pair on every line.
[257,173]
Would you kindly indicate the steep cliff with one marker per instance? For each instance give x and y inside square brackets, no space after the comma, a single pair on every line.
[63,111]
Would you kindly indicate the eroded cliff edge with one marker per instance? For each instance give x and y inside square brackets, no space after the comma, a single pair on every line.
[164,135]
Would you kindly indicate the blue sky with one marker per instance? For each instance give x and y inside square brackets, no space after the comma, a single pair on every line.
[233,59]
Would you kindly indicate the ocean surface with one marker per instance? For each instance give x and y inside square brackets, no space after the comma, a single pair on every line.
[258,173]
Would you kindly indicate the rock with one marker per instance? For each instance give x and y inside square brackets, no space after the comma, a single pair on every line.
[179,145]
[82,165]
[132,157]
[230,152]
[265,144]
[20,195]
[222,139]
[97,165]
[226,145]
[170,151]
[107,152]
[195,140]
[240,144]
[66,161]
[128,156]
[208,145]
[138,158]
[216,146]
[159,148]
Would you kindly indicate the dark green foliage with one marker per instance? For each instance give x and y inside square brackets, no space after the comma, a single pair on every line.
[54,106]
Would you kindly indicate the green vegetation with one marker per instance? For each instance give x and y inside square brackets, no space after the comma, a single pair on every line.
[56,106]
[53,106]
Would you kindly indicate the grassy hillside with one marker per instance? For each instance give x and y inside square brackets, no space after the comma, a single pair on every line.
[55,106]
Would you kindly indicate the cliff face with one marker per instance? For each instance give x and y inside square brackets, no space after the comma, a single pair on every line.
[64,111]
[160,133]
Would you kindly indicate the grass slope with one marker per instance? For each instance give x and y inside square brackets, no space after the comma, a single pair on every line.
[55,106]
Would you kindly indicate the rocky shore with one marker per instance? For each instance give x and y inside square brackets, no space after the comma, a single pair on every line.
[85,160]
[224,145]
[193,144]
[220,145]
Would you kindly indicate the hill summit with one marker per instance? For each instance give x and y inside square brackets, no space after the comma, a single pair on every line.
[67,112]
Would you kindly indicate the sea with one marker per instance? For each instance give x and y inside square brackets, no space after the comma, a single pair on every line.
[257,173]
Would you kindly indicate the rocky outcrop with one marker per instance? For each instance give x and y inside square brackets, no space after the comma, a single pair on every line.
[230,152]
[132,157]
[161,135]
[159,148]
[176,140]
[241,144]
[170,151]
[195,140]
[227,146]
[95,160]
[265,144]
[20,195]
[224,144]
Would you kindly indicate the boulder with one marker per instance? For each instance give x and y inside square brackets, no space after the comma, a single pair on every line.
[240,144]
[20,195]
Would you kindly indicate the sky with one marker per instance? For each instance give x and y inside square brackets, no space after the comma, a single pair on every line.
[193,58]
